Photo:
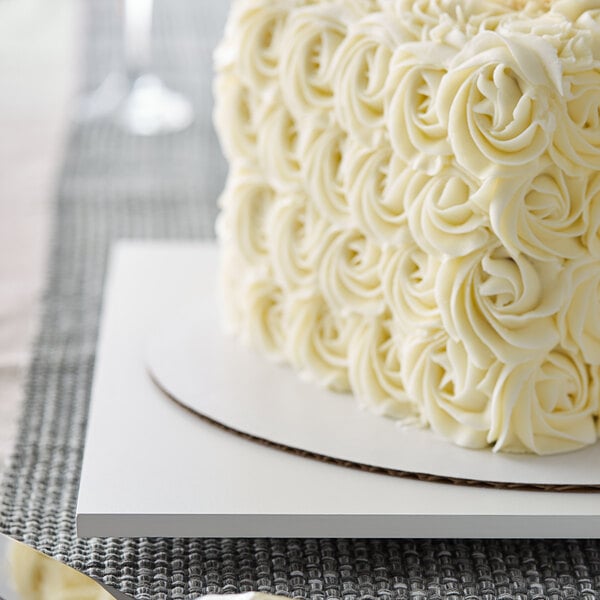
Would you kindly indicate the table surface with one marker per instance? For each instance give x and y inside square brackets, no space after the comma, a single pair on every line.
[38,64]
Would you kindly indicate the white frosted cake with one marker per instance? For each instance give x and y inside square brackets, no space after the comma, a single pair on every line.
[412,212]
[35,576]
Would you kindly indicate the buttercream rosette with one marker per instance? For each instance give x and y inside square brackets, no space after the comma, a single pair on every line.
[413,207]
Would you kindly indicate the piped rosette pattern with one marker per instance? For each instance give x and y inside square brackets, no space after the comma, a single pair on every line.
[412,212]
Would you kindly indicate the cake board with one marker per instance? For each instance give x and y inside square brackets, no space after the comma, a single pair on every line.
[151,469]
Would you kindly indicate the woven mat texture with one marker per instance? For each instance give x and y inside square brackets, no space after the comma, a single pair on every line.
[112,186]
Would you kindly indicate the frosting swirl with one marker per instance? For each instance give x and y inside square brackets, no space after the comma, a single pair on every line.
[576,144]
[318,341]
[415,129]
[573,46]
[262,324]
[591,236]
[589,21]
[495,102]
[500,307]
[295,233]
[575,11]
[543,216]
[255,33]
[408,276]
[324,152]
[545,405]
[487,15]
[360,73]
[374,370]
[235,117]
[578,319]
[442,215]
[453,392]
[278,147]
[425,15]
[349,273]
[312,35]
[374,192]
[246,203]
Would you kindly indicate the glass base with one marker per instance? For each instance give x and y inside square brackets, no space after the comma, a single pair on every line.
[144,106]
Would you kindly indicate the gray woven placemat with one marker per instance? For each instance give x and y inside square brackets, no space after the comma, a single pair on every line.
[113,186]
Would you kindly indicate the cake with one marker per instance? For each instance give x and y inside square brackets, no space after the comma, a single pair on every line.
[35,576]
[412,211]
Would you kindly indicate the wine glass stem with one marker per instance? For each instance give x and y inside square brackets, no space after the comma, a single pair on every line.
[138,37]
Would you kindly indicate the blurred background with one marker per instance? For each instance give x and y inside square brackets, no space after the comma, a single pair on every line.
[75,175]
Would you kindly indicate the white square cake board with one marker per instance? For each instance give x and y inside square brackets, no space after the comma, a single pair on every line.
[152,469]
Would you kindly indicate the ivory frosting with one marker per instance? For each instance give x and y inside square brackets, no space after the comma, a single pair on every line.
[413,207]
[38,577]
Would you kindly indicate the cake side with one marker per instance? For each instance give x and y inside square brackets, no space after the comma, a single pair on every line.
[412,211]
